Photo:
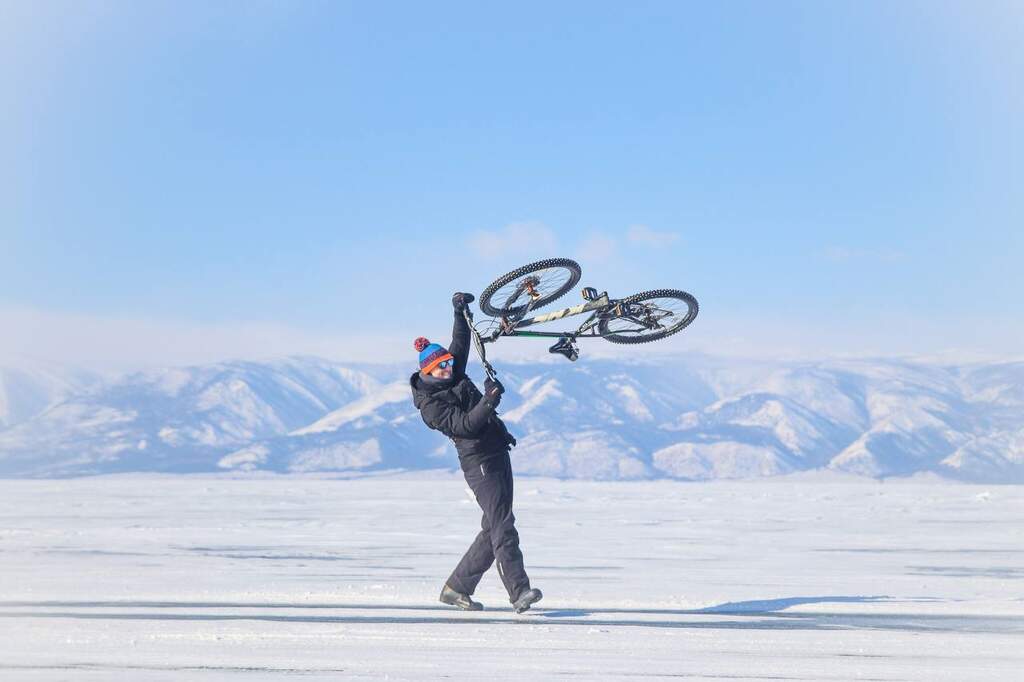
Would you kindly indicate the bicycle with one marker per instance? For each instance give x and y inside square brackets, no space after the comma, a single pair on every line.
[634,319]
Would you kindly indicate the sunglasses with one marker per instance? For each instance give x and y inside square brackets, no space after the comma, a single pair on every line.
[446,363]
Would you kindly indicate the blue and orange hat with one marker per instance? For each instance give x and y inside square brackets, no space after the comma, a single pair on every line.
[430,354]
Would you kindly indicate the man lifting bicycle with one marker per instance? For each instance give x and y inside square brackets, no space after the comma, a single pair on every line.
[450,402]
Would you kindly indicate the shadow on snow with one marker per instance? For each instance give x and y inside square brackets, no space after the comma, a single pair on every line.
[747,615]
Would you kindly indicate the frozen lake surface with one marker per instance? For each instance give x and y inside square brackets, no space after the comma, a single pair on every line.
[155,577]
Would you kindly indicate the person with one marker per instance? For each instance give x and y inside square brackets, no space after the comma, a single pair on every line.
[450,402]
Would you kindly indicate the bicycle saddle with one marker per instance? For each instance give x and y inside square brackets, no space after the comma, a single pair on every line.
[566,347]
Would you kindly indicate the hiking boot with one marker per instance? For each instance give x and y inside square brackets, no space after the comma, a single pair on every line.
[526,599]
[463,601]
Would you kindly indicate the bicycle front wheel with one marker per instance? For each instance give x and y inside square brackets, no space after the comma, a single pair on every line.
[541,282]
[649,316]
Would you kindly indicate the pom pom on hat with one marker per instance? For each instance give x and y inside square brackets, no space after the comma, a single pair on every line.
[421,343]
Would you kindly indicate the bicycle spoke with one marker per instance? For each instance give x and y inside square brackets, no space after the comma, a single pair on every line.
[549,280]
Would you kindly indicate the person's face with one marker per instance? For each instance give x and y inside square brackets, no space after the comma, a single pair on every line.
[443,369]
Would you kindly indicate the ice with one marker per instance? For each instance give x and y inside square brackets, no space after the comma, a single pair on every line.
[804,577]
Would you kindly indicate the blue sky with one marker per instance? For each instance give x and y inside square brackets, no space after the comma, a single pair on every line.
[236,178]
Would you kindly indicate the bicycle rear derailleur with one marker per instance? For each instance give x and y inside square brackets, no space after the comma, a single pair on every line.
[566,346]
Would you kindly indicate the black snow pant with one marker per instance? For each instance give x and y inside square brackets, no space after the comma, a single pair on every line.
[491,482]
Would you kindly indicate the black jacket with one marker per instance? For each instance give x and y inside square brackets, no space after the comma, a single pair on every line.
[458,410]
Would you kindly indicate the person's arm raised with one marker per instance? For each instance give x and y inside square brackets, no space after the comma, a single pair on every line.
[459,347]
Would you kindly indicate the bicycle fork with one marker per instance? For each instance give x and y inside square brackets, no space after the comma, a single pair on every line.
[491,374]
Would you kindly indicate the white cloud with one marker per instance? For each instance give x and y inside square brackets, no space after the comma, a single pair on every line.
[536,238]
[514,239]
[121,343]
[641,234]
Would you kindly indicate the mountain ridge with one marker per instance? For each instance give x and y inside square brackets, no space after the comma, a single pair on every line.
[688,417]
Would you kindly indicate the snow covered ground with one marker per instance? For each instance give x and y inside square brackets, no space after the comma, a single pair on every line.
[189,577]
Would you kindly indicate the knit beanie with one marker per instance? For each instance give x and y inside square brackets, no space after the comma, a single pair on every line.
[430,354]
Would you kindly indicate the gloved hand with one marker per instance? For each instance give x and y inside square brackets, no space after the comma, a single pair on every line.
[461,300]
[492,391]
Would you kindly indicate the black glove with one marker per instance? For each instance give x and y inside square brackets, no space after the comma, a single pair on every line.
[492,391]
[461,300]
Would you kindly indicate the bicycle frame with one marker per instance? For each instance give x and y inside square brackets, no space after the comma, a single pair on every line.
[512,327]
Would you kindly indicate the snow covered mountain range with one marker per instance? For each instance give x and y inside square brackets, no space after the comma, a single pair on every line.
[689,418]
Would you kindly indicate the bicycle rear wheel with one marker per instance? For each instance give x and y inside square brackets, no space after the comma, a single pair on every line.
[650,316]
[544,281]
